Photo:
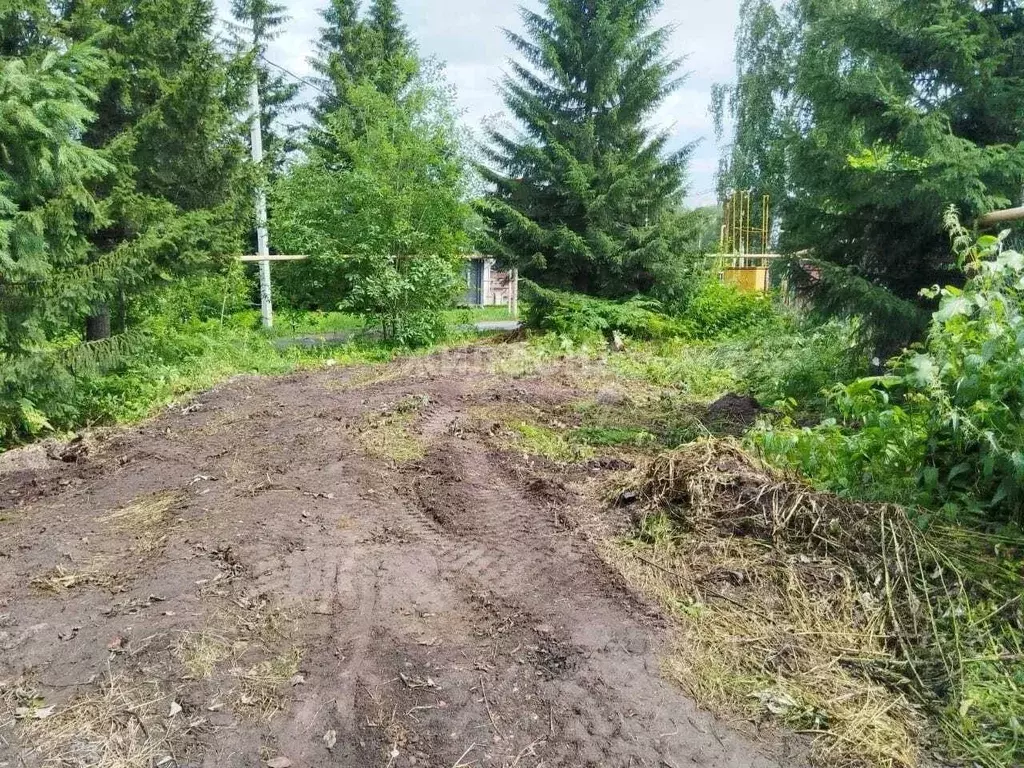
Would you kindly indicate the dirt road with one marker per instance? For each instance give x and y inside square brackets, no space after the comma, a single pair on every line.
[331,569]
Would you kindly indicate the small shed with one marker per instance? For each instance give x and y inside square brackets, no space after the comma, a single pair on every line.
[489,286]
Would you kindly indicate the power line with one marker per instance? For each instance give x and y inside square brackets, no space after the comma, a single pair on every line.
[219,38]
[304,81]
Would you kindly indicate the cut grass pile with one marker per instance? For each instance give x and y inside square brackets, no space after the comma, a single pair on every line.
[388,434]
[124,723]
[843,620]
[60,580]
[146,520]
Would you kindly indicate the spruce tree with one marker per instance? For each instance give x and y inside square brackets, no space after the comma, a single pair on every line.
[341,55]
[394,62]
[580,192]
[354,52]
[865,123]
[165,118]
[23,27]
[46,207]
[258,23]
[46,211]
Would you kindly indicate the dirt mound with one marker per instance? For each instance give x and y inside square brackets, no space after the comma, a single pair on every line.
[716,483]
[733,414]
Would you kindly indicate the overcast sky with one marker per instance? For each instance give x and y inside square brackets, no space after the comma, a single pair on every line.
[467,36]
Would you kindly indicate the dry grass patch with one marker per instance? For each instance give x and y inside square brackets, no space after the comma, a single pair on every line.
[146,519]
[263,688]
[755,636]
[124,724]
[201,652]
[842,620]
[61,580]
[388,434]
[246,650]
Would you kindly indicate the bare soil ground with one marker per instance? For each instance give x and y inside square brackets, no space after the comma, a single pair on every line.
[340,568]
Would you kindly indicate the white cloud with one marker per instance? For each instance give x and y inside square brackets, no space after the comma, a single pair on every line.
[468,36]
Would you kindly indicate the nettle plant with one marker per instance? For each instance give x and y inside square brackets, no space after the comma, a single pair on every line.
[945,429]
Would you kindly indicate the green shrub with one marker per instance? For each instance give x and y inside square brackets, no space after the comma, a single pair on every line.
[719,310]
[405,298]
[796,360]
[946,428]
[209,296]
[579,317]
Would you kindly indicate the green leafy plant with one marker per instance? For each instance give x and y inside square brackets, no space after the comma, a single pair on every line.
[405,297]
[795,359]
[721,310]
[381,212]
[945,428]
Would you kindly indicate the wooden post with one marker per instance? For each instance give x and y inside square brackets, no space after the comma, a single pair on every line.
[1008,216]
[515,294]
[259,258]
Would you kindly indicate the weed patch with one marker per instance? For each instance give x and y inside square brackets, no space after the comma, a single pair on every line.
[611,437]
[543,441]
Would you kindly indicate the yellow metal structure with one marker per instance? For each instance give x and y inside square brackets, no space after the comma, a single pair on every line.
[747,279]
[744,246]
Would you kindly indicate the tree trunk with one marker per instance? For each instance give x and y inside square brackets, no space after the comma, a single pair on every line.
[122,311]
[97,325]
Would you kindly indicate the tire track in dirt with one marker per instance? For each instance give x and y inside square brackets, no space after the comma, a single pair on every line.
[494,539]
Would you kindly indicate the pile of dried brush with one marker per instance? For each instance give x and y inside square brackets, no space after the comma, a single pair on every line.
[839,617]
[715,484]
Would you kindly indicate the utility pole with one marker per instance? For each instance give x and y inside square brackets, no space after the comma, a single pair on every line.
[262,238]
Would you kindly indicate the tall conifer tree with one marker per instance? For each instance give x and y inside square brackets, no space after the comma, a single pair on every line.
[354,52]
[165,118]
[341,55]
[45,202]
[866,121]
[46,210]
[580,192]
[394,62]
